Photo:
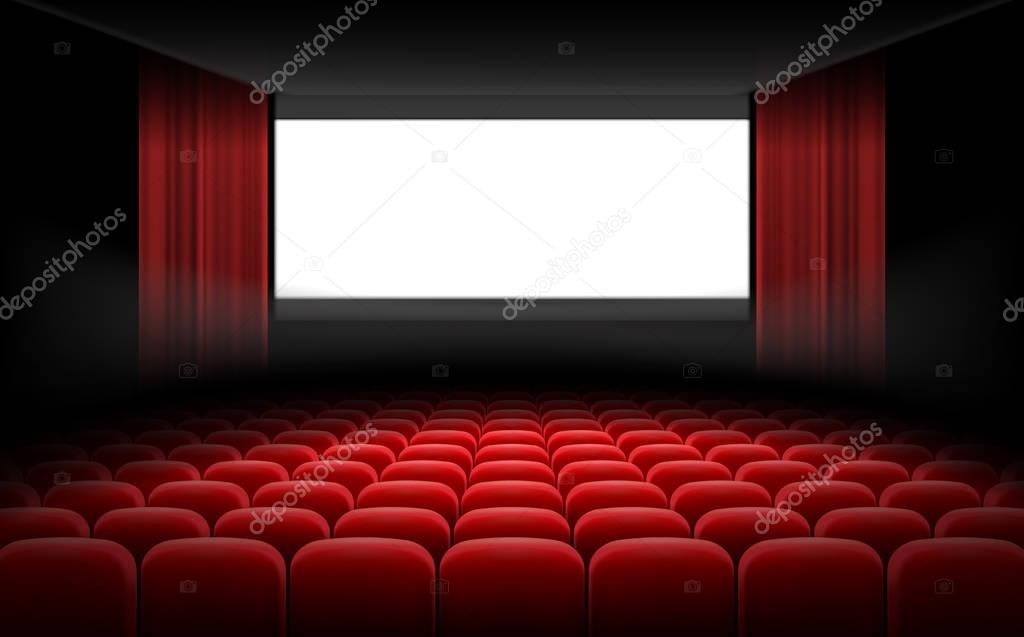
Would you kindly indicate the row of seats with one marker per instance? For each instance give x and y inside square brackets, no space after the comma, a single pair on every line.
[512,586]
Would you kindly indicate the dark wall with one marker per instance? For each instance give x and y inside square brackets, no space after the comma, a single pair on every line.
[71,160]
[954,230]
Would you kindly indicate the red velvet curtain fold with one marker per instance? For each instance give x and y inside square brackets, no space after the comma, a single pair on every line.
[821,225]
[203,198]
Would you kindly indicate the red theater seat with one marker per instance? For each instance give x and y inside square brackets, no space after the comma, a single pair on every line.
[860,439]
[511,522]
[376,456]
[93,439]
[354,476]
[288,456]
[286,529]
[730,416]
[453,454]
[424,407]
[393,440]
[883,529]
[806,587]
[613,404]
[459,438]
[910,457]
[978,475]
[956,586]
[635,582]
[355,416]
[24,523]
[612,415]
[876,475]
[149,474]
[820,454]
[521,416]
[553,427]
[203,427]
[577,437]
[1006,494]
[997,523]
[426,528]
[140,529]
[168,440]
[658,405]
[552,415]
[362,582]
[459,414]
[329,499]
[204,456]
[208,498]
[318,441]
[268,426]
[575,453]
[621,426]
[633,439]
[447,473]
[670,416]
[513,586]
[737,529]
[248,474]
[694,499]
[454,424]
[789,416]
[510,403]
[648,456]
[735,456]
[813,500]
[785,439]
[608,494]
[686,426]
[465,404]
[668,476]
[820,427]
[294,416]
[930,498]
[755,426]
[511,493]
[530,453]
[240,439]
[511,424]
[511,438]
[930,439]
[46,475]
[434,496]
[512,470]
[17,494]
[93,498]
[337,427]
[774,474]
[416,416]
[576,473]
[599,527]
[211,587]
[705,441]
[67,586]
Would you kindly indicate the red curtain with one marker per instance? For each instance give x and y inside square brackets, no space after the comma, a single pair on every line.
[202,223]
[821,225]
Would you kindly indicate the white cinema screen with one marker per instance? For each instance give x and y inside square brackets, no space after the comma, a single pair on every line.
[507,208]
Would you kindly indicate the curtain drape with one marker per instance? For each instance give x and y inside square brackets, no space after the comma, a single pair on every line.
[820,185]
[203,297]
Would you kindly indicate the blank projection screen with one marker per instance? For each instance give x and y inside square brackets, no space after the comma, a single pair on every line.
[458,218]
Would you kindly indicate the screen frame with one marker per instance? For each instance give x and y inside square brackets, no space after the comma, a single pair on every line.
[491,309]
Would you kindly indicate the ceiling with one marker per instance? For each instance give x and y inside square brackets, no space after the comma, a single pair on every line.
[501,48]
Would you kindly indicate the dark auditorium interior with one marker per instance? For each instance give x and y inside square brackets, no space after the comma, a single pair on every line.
[394,319]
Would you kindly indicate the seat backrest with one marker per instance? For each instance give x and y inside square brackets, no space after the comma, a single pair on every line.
[114,457]
[329,499]
[24,523]
[883,529]
[1006,494]
[434,496]
[607,494]
[46,475]
[286,529]
[149,474]
[997,523]
[209,498]
[454,454]
[735,456]
[511,470]
[18,494]
[669,476]
[633,439]
[204,456]
[576,473]
[288,456]
[318,441]
[241,439]
[737,529]
[909,457]
[601,526]
[140,529]
[774,474]
[694,499]
[575,453]
[93,498]
[511,522]
[784,439]
[426,528]
[511,493]
[441,437]
[569,437]
[706,440]
[876,475]
[979,475]
[814,499]
[248,474]
[351,474]
[930,498]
